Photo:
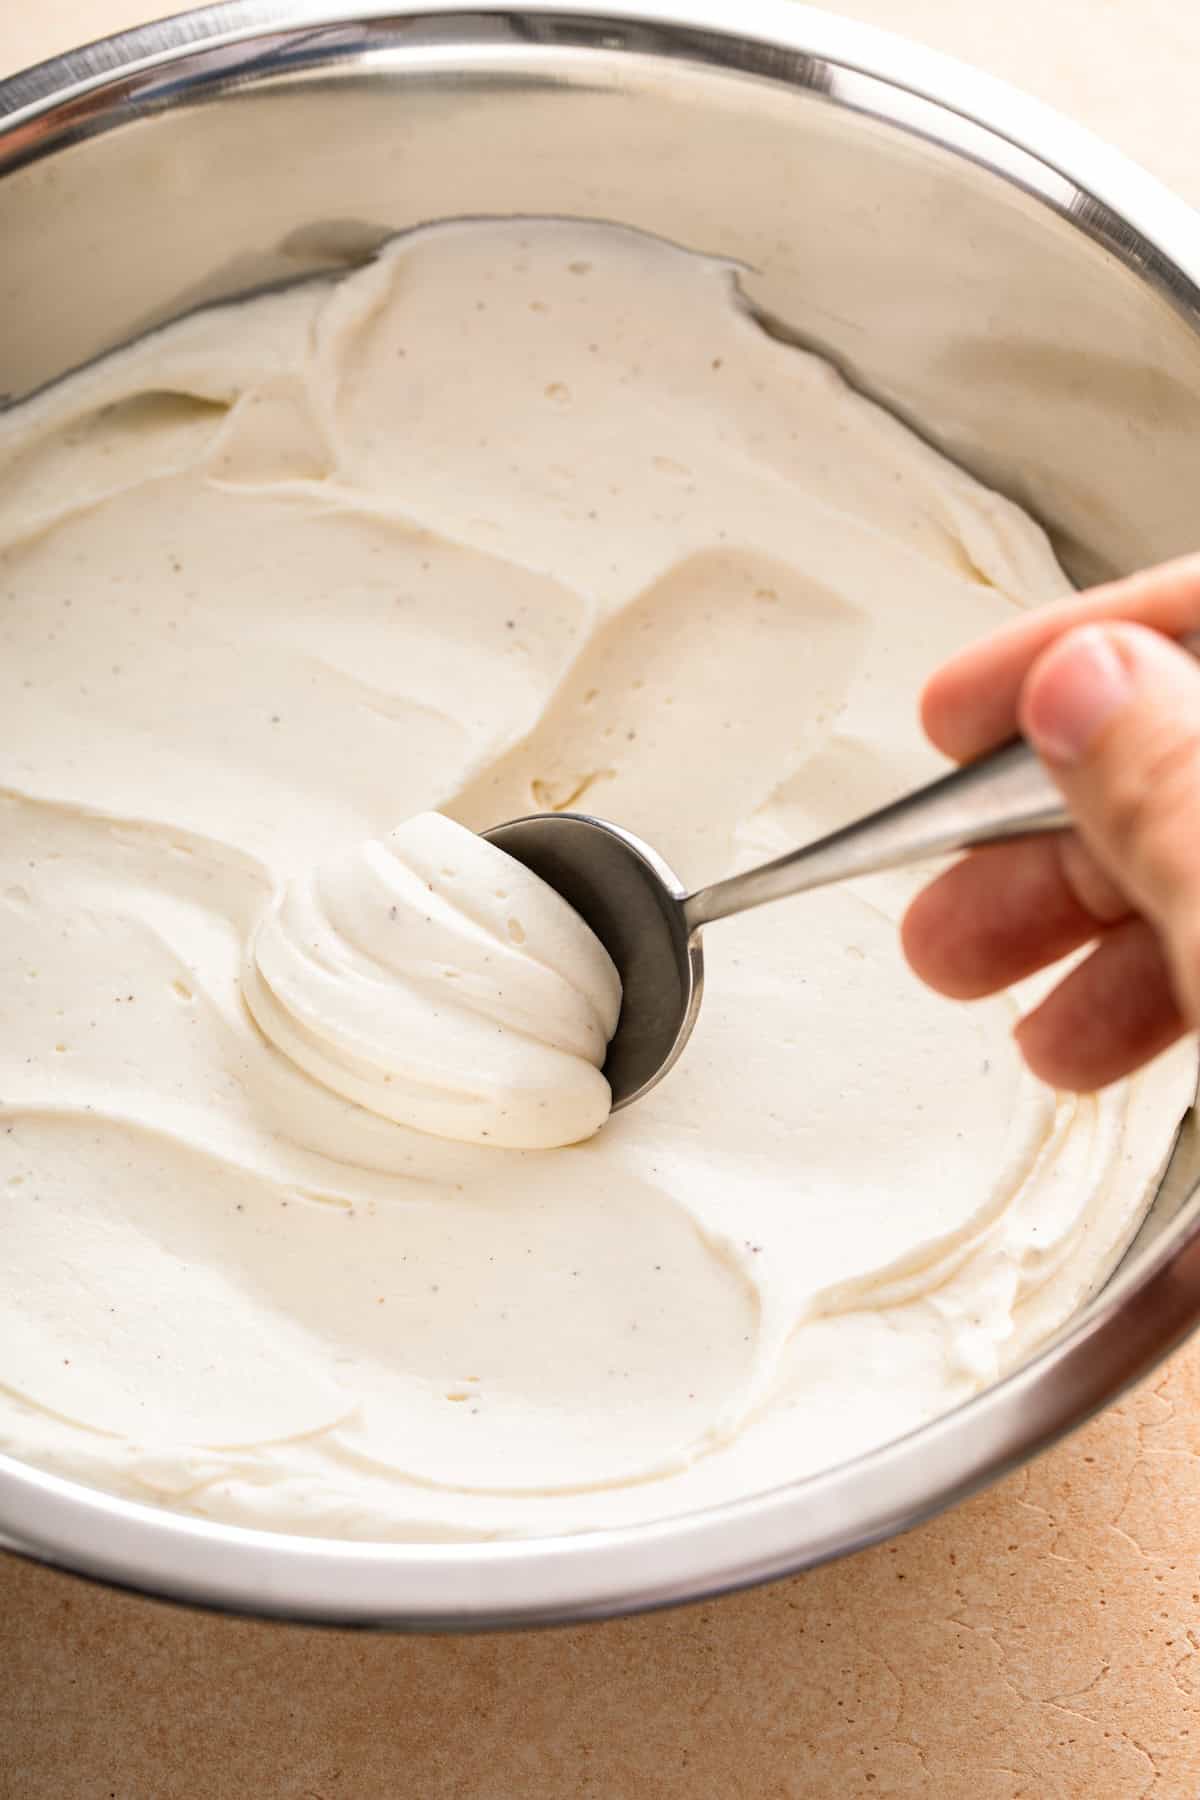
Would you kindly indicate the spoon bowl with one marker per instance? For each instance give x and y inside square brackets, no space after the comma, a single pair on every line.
[635,904]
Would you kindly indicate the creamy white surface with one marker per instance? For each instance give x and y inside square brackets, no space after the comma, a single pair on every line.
[430,978]
[521,516]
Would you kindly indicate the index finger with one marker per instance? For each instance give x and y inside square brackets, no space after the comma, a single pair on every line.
[970,704]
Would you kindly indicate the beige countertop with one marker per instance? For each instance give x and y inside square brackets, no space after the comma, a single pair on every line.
[1042,1641]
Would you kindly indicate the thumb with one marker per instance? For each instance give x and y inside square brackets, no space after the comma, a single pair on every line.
[1114,711]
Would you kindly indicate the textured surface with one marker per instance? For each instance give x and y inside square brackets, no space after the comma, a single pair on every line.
[1042,1641]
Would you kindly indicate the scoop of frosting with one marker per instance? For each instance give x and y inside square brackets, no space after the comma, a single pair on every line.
[439,983]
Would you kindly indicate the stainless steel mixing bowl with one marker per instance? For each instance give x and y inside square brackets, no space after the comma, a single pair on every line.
[997,276]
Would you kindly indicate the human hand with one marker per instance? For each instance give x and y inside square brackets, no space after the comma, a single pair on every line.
[1113,708]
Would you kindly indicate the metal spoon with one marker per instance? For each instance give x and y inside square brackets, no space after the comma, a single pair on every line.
[650,925]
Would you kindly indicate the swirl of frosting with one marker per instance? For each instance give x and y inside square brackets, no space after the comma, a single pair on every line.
[434,980]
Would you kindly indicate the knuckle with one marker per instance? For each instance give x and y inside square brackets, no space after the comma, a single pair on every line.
[1092,884]
[1153,811]
[1185,966]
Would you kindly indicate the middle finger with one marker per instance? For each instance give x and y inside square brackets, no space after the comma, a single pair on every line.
[1005,911]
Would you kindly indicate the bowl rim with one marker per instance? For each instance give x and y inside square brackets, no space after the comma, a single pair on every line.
[1136,1321]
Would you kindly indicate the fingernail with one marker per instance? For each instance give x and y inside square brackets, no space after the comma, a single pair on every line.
[1073,694]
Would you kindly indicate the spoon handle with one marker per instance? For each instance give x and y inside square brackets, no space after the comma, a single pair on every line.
[1007,794]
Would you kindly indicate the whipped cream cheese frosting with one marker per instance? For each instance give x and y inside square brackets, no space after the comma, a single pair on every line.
[522,515]
[434,980]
